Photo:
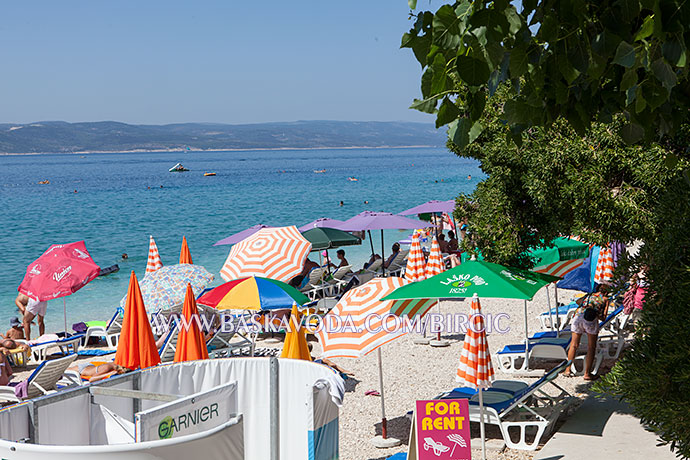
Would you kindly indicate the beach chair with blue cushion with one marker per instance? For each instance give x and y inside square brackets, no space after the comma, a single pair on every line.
[43,380]
[167,349]
[110,332]
[563,315]
[548,345]
[518,408]
[64,346]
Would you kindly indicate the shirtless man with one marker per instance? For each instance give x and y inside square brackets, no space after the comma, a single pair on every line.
[31,309]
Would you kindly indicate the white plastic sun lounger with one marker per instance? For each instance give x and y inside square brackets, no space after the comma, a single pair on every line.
[315,285]
[111,331]
[43,380]
[167,350]
[220,344]
[40,351]
[545,345]
[518,408]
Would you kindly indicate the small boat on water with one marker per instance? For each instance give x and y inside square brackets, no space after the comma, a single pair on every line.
[178,168]
[209,174]
[44,182]
[352,179]
[319,171]
[108,270]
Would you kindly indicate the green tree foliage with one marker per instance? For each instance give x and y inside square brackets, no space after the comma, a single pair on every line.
[596,186]
[578,114]
[585,60]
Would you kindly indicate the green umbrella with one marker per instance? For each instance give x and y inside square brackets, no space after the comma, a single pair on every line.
[486,279]
[562,256]
[328,238]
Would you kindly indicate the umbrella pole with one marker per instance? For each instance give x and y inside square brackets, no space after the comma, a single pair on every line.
[481,422]
[558,319]
[383,260]
[384,424]
[371,242]
[526,340]
[64,309]
[548,305]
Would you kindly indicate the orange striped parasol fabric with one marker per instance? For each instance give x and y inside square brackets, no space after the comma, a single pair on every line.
[604,271]
[154,261]
[277,253]
[434,265]
[360,322]
[414,270]
[185,255]
[475,369]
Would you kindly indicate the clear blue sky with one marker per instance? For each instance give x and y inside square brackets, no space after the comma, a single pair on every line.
[213,61]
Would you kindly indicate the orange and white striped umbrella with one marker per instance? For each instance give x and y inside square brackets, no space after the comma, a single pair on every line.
[360,322]
[154,261]
[414,270]
[434,265]
[277,253]
[475,369]
[604,271]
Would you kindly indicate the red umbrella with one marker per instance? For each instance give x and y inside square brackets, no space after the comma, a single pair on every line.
[62,270]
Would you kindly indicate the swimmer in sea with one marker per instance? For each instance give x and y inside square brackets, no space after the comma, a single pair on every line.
[342,203]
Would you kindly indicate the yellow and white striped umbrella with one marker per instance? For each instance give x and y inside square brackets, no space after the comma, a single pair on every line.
[154,261]
[434,265]
[414,270]
[360,322]
[277,253]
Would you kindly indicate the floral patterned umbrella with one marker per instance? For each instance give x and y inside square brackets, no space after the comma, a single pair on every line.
[166,287]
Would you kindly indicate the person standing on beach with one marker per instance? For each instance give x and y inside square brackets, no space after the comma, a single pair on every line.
[31,309]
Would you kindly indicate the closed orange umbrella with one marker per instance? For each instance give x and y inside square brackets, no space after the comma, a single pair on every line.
[136,348]
[295,346]
[185,255]
[190,343]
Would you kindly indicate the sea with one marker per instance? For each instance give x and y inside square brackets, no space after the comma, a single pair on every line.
[114,201]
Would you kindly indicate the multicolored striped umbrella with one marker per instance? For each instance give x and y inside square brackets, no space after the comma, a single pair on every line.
[278,253]
[475,369]
[375,323]
[434,265]
[414,270]
[253,293]
[154,261]
[605,266]
[165,288]
[185,255]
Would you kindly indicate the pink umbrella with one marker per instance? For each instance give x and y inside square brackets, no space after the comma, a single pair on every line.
[60,271]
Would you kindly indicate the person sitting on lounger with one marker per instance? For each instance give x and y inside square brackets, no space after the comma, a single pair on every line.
[301,280]
[16,331]
[340,254]
[443,244]
[592,309]
[452,242]
[395,249]
[92,373]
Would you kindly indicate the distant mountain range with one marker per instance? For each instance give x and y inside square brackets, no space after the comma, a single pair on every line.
[109,136]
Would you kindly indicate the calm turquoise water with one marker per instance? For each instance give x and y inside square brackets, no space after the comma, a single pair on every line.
[114,210]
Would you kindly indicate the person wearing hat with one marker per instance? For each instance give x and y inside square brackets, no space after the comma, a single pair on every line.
[16,331]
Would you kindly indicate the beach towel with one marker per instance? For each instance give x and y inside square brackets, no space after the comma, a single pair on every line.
[21,390]
[94,352]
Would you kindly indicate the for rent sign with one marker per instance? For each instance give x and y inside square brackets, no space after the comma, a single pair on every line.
[443,430]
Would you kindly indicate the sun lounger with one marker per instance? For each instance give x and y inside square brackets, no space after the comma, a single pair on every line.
[315,285]
[521,409]
[562,315]
[547,346]
[40,351]
[220,344]
[340,279]
[398,264]
[167,350]
[111,331]
[43,380]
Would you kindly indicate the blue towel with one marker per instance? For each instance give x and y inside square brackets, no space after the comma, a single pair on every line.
[95,352]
